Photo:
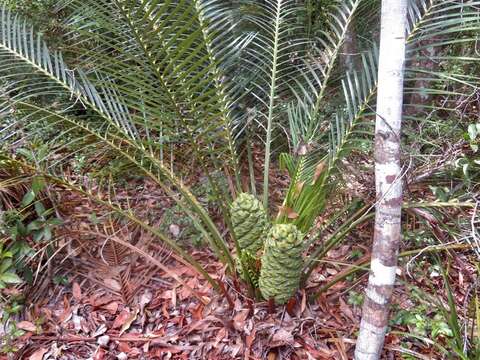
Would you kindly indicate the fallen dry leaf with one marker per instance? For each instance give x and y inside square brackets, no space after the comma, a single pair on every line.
[331,271]
[99,354]
[248,343]
[197,311]
[38,355]
[290,308]
[129,321]
[124,347]
[144,300]
[65,315]
[76,291]
[220,336]
[239,319]
[99,301]
[303,304]
[112,307]
[174,297]
[27,326]
[281,338]
[112,284]
[121,319]
[339,252]
[134,353]
[347,311]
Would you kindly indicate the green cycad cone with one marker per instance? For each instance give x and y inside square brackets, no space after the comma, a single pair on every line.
[281,263]
[250,222]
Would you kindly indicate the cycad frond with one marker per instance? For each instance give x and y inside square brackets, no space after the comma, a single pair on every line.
[163,58]
[286,62]
[84,116]
[307,118]
[313,177]
[435,27]
[20,49]
[269,59]
[312,85]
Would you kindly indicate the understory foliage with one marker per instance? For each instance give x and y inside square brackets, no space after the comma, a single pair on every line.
[134,85]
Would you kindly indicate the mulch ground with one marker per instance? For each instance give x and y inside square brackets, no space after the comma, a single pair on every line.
[165,320]
[113,303]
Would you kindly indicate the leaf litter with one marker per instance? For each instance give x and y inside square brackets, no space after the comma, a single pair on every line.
[149,315]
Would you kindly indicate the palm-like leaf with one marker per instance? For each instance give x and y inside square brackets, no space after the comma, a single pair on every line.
[313,173]
[109,119]
[165,60]
[269,56]
[284,63]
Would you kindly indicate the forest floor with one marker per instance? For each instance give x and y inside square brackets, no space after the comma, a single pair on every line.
[83,320]
[100,301]
[165,320]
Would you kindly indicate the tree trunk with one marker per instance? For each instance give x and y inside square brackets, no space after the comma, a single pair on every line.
[387,180]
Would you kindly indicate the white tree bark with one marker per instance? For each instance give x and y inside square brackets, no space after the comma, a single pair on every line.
[387,231]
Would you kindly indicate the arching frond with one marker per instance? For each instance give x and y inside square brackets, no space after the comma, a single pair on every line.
[166,58]
[286,62]
[315,167]
[105,199]
[80,112]
[311,87]
[437,27]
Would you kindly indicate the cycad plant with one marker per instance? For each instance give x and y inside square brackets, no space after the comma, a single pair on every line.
[138,80]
